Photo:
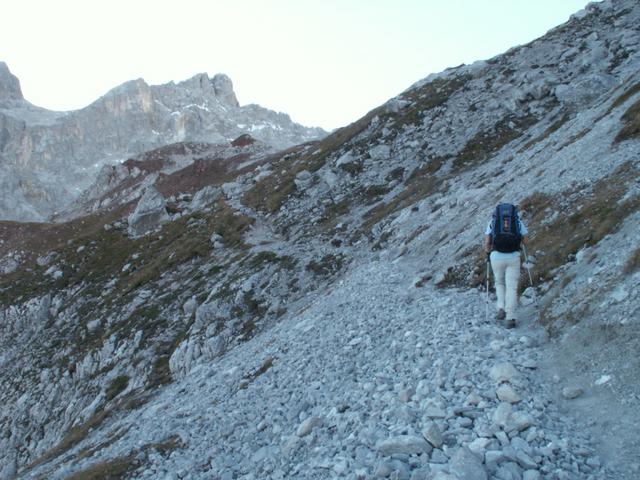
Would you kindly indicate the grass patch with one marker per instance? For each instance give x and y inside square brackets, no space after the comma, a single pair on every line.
[428,97]
[422,183]
[486,143]
[108,470]
[117,386]
[183,240]
[633,263]
[73,436]
[554,127]
[266,257]
[581,222]
[624,97]
[270,193]
[327,265]
[631,120]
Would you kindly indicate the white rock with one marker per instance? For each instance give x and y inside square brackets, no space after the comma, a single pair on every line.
[149,214]
[433,434]
[504,372]
[479,446]
[502,415]
[531,475]
[466,465]
[603,380]
[403,444]
[506,393]
[308,425]
[571,392]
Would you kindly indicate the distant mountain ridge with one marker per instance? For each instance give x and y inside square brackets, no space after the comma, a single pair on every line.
[47,158]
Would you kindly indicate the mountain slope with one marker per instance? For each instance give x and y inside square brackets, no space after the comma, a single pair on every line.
[319,313]
[50,157]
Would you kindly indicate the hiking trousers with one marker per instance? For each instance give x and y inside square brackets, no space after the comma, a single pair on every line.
[506,270]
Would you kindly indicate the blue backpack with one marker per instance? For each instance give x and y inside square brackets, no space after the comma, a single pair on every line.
[505,229]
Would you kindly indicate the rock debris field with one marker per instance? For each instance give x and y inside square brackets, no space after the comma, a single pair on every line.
[374,379]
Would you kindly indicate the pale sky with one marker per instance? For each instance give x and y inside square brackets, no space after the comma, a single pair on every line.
[324,62]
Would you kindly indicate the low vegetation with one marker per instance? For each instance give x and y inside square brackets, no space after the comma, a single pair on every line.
[114,469]
[632,264]
[631,121]
[582,220]
[487,143]
[72,437]
[327,265]
[423,182]
[427,97]
[117,386]
[270,193]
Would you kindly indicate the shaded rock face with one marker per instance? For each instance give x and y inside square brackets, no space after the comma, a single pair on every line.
[223,88]
[48,158]
[9,84]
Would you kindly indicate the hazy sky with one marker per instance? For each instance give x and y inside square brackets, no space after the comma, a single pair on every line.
[324,62]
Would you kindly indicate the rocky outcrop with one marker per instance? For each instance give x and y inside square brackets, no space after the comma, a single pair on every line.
[49,158]
[150,213]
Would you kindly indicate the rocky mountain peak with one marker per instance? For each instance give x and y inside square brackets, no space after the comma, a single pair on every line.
[223,87]
[130,119]
[9,84]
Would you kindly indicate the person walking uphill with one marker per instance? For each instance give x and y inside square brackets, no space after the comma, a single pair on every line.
[503,238]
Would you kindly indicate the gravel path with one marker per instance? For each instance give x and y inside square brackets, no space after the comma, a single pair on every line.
[373,379]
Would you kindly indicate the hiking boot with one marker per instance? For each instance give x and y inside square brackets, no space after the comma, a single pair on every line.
[511,323]
[500,315]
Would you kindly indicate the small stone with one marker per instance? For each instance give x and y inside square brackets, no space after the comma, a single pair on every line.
[420,474]
[433,434]
[473,399]
[571,392]
[506,393]
[593,462]
[445,476]
[434,411]
[438,456]
[479,445]
[406,394]
[525,461]
[531,475]
[403,444]
[502,438]
[504,372]
[502,415]
[466,465]
[340,466]
[603,380]
[509,471]
[308,425]
[522,421]
[493,457]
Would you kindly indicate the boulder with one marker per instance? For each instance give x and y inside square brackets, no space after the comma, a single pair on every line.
[150,213]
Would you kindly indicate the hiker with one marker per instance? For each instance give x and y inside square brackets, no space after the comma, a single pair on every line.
[503,238]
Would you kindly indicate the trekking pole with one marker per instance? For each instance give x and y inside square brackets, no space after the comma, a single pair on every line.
[527,266]
[486,310]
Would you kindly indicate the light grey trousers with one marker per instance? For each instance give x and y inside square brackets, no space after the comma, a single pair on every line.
[506,270]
